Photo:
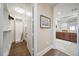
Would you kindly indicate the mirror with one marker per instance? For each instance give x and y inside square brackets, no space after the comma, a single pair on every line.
[67,25]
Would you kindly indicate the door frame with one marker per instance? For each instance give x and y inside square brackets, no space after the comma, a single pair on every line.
[77,49]
[78,35]
[34,29]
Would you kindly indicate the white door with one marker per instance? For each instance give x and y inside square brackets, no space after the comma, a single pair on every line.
[18,30]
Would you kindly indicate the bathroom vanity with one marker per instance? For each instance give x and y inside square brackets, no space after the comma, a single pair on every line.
[72,37]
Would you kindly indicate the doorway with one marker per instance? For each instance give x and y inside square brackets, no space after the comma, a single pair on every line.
[22,14]
[66,35]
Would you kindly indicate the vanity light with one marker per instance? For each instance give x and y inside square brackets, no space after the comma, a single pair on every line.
[19,10]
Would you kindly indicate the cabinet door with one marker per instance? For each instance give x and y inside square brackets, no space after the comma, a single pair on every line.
[59,35]
[73,37]
[66,37]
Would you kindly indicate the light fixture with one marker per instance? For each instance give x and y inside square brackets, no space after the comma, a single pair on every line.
[59,13]
[57,19]
[19,10]
[29,13]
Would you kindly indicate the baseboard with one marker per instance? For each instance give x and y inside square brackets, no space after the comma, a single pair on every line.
[53,47]
[7,52]
[44,51]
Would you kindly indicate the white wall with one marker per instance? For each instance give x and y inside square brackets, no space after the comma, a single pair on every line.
[43,38]
[7,41]
[28,29]
[64,10]
[1,27]
[29,35]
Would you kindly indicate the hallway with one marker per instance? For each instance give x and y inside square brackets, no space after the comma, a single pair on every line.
[19,49]
[39,29]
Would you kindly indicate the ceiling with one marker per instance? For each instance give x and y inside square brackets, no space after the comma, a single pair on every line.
[52,4]
[70,20]
[25,7]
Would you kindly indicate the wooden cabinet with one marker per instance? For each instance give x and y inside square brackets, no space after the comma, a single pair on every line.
[59,35]
[67,36]
[73,37]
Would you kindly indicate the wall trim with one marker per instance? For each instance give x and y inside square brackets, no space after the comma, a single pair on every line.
[53,47]
[44,51]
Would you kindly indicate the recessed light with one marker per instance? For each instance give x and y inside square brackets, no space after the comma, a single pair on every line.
[29,13]
[57,19]
[59,13]
[19,10]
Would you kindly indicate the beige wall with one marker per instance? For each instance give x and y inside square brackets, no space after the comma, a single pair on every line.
[44,39]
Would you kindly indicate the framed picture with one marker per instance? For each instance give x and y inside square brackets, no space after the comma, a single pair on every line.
[45,22]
